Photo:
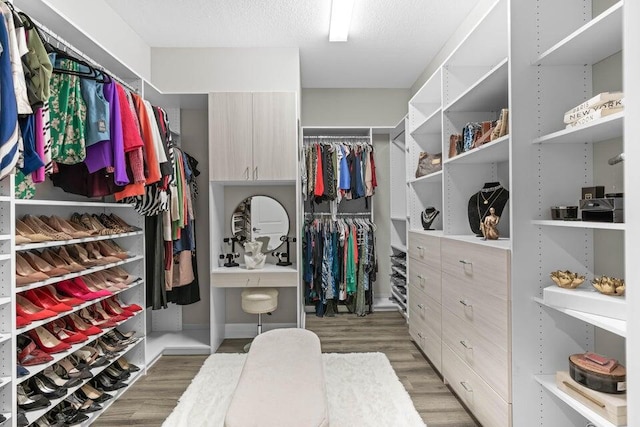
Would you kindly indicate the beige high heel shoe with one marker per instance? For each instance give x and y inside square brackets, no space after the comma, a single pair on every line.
[57,261]
[25,274]
[25,231]
[63,226]
[38,225]
[39,264]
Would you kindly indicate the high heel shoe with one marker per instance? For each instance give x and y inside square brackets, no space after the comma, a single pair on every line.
[44,386]
[82,406]
[46,341]
[67,414]
[21,322]
[66,369]
[52,375]
[100,313]
[53,293]
[81,284]
[94,253]
[91,356]
[116,374]
[21,240]
[102,280]
[113,277]
[37,224]
[43,300]
[114,309]
[25,274]
[57,261]
[123,223]
[59,329]
[125,365]
[78,324]
[81,255]
[63,226]
[106,222]
[34,259]
[95,284]
[30,311]
[63,253]
[130,307]
[77,223]
[110,251]
[96,395]
[110,347]
[31,403]
[29,354]
[89,317]
[24,230]
[103,384]
[93,224]
[68,287]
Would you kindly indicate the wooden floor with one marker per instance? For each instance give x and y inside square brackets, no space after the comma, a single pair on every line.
[152,398]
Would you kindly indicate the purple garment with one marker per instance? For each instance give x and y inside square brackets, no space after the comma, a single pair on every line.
[110,153]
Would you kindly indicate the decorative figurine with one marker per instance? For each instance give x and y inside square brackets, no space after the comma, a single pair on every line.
[489,225]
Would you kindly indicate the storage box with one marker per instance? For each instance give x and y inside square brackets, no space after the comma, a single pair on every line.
[586,299]
[612,407]
[593,192]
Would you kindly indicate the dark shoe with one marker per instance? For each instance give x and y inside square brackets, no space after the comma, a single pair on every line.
[103,383]
[31,403]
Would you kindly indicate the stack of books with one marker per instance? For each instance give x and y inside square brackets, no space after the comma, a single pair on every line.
[598,107]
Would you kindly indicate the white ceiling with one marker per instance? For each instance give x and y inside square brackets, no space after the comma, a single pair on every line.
[390,41]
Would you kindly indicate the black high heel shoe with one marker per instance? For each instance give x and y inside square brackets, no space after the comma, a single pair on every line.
[44,386]
[103,383]
[83,406]
[88,392]
[31,403]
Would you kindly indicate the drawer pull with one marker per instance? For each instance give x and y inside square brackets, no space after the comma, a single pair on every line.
[465,303]
[421,306]
[420,248]
[420,335]
[258,281]
[465,262]
[465,345]
[422,279]
[466,386]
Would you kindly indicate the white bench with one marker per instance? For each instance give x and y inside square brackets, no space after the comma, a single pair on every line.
[282,383]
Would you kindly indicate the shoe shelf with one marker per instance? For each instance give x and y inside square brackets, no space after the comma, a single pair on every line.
[488,93]
[5,257]
[598,39]
[42,322]
[398,247]
[399,299]
[53,280]
[549,383]
[4,338]
[32,416]
[4,381]
[616,326]
[4,300]
[60,203]
[581,224]
[495,151]
[5,199]
[399,271]
[600,130]
[36,369]
[94,415]
[432,178]
[42,245]
[5,237]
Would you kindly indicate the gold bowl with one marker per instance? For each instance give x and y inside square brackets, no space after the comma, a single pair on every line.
[566,279]
[609,285]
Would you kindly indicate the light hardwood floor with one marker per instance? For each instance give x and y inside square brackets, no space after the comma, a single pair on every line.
[153,397]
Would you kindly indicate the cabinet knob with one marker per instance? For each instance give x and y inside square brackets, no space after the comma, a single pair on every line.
[465,345]
[246,173]
[466,386]
[255,173]
[465,303]
[421,306]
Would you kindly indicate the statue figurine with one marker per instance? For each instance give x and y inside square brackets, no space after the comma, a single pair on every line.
[489,225]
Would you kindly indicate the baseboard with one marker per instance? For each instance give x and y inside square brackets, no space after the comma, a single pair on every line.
[194,326]
[379,304]
[249,330]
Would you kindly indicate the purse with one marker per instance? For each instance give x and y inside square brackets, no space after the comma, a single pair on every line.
[455,145]
[484,134]
[428,163]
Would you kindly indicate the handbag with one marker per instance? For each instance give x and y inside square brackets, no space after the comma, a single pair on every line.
[428,163]
[484,134]
[455,145]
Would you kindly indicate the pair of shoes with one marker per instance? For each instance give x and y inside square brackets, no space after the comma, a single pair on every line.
[59,328]
[105,384]
[41,227]
[63,226]
[77,288]
[46,341]
[28,352]
[31,402]
[42,385]
[89,392]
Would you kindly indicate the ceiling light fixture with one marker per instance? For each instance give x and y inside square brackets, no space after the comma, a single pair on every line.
[340,20]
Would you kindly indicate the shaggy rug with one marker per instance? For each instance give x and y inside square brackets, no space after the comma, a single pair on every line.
[363,390]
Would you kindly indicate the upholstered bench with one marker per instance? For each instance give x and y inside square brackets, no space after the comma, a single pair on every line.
[282,383]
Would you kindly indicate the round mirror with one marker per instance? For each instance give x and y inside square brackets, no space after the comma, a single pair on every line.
[260,218]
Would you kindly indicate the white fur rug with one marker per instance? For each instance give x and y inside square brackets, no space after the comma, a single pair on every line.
[363,391]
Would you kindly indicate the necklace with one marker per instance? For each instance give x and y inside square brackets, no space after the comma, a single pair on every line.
[481,216]
[485,200]
[491,189]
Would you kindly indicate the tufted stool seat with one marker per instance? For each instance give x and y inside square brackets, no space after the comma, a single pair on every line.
[259,300]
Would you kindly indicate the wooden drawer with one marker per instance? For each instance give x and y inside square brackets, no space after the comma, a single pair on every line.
[481,399]
[424,247]
[487,313]
[426,278]
[240,278]
[427,340]
[491,363]
[485,267]
[427,310]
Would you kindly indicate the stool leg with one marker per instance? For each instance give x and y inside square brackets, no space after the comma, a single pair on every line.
[259,323]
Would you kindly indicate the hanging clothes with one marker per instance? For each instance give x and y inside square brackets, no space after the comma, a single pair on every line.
[9,132]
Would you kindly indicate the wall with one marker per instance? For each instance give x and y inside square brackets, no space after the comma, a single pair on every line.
[354,107]
[382,215]
[204,70]
[461,32]
[194,138]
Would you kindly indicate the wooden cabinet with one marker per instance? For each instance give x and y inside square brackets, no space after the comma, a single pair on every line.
[252,136]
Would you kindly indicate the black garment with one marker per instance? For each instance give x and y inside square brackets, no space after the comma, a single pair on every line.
[187,294]
[76,179]
[154,263]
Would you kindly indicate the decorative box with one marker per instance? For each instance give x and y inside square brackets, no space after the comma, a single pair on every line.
[587,300]
[612,407]
[596,192]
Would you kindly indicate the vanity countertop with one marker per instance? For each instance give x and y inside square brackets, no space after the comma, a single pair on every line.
[239,277]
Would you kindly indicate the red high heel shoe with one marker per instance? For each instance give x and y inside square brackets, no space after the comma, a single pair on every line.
[59,329]
[130,307]
[46,341]
[80,284]
[76,323]
[43,300]
[53,293]
[114,309]
[92,319]
[30,311]
[21,322]
[69,288]
[100,313]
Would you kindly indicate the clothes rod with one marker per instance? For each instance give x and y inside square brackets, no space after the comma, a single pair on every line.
[336,137]
[338,214]
[51,35]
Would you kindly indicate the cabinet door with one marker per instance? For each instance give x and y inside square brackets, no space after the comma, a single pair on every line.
[230,137]
[274,136]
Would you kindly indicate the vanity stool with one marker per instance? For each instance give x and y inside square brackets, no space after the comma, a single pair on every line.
[282,383]
[259,301]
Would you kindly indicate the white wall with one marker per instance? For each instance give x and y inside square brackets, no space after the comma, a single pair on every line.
[204,70]
[354,107]
[109,36]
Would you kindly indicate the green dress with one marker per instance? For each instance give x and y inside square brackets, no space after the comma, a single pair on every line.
[68,116]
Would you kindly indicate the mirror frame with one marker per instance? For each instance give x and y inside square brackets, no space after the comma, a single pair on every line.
[280,243]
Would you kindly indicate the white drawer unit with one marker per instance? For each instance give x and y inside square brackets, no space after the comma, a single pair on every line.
[426,278]
[269,276]
[424,247]
[428,341]
[427,310]
[480,398]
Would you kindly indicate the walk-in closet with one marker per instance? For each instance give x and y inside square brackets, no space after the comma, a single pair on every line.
[319,213]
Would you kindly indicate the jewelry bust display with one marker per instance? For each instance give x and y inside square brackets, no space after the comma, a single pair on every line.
[428,216]
[491,195]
